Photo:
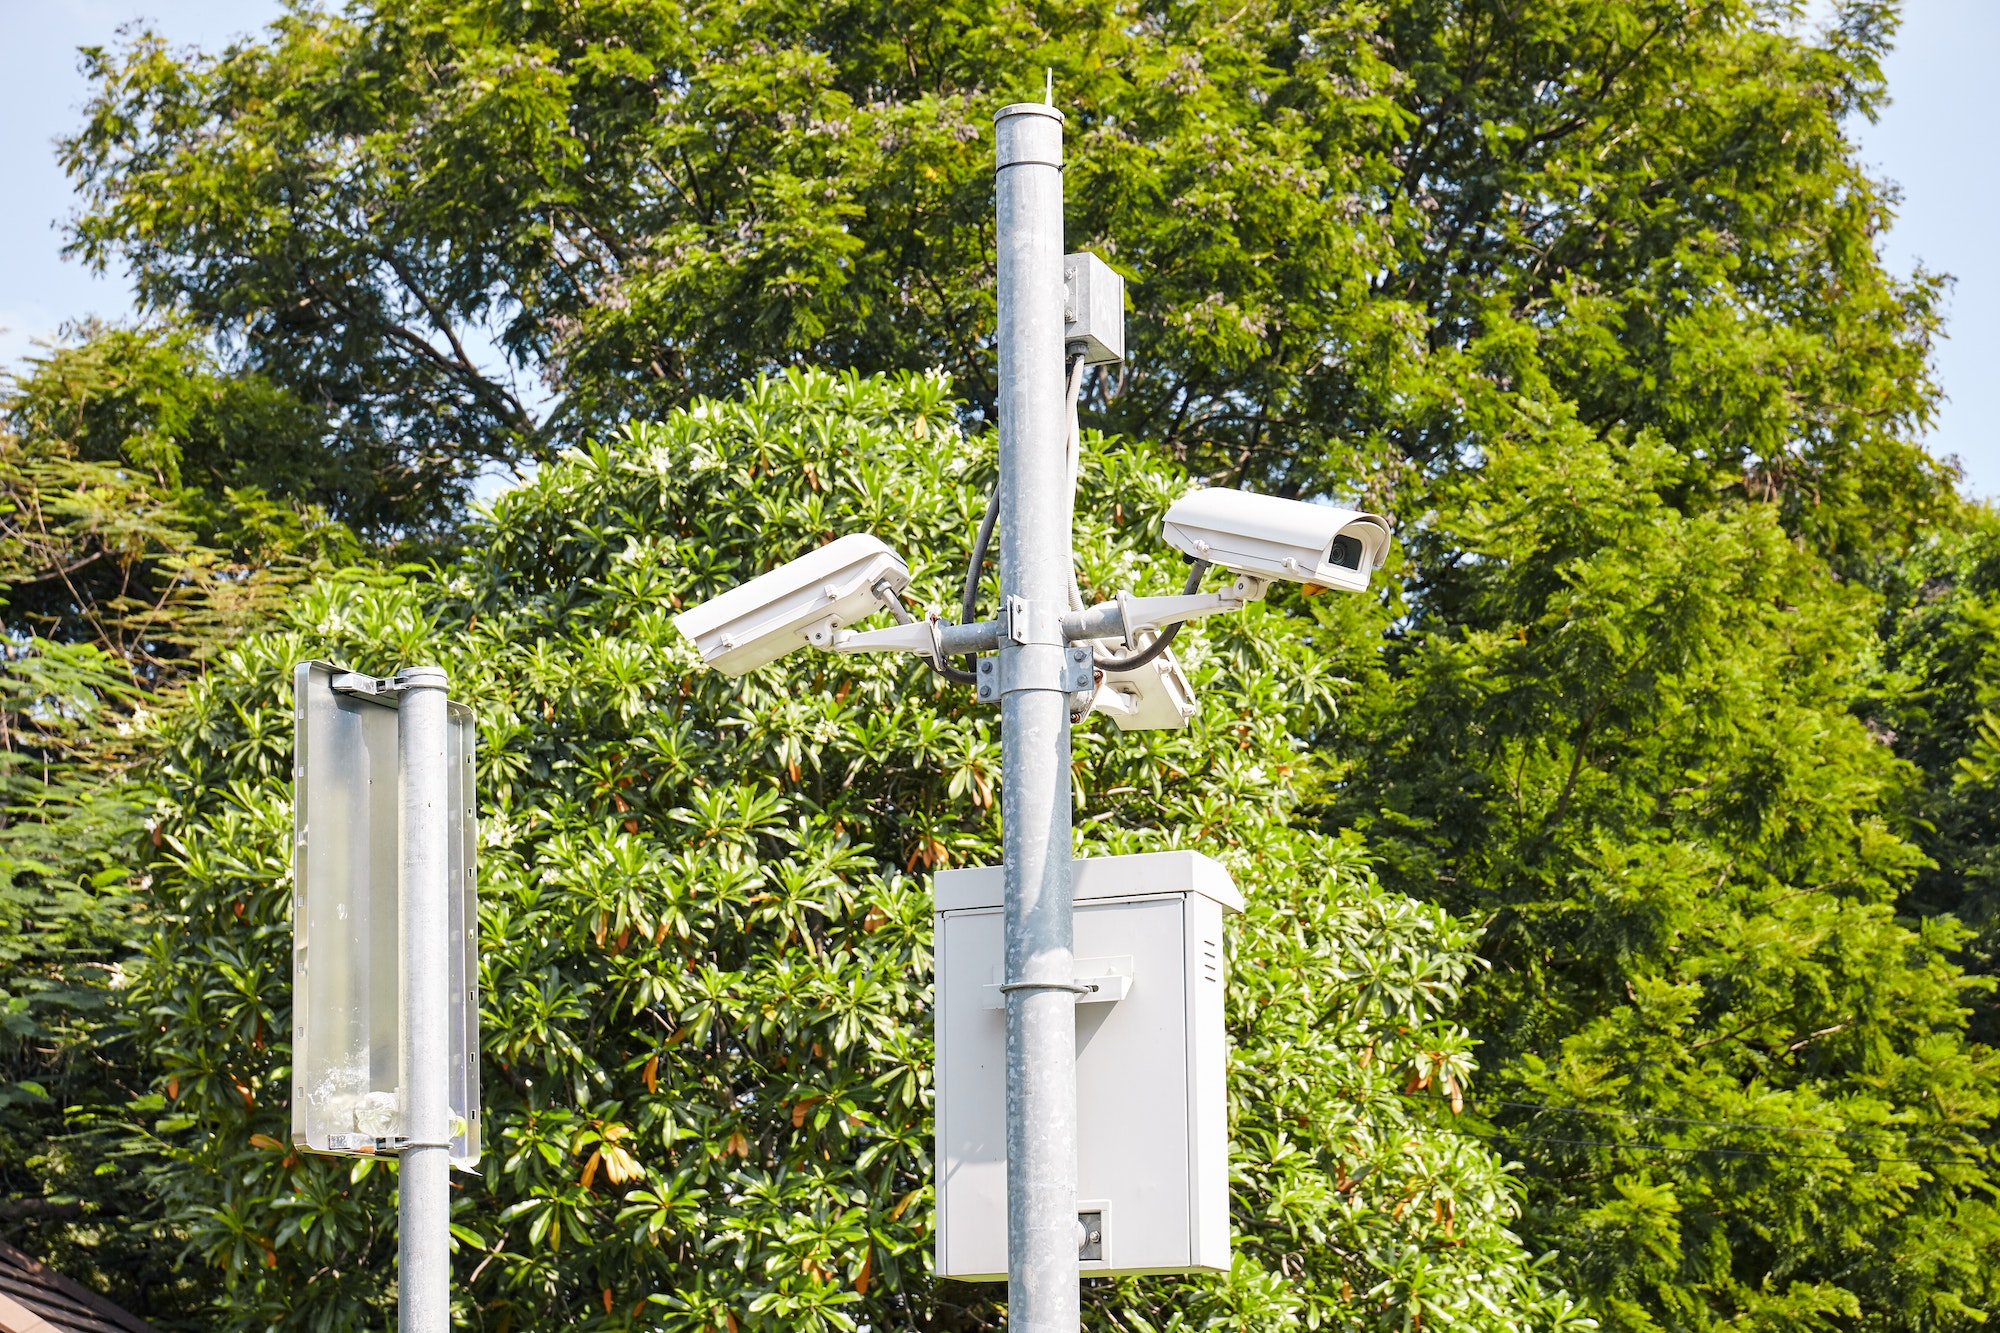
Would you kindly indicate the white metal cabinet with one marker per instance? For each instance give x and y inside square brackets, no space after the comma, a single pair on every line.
[1152,1133]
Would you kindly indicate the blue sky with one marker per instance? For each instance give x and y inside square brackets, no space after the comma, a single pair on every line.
[1935,141]
[41,96]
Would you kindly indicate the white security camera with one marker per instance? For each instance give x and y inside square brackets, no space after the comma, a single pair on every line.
[1269,538]
[1152,697]
[800,602]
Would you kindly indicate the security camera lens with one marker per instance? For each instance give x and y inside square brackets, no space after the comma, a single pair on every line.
[1346,552]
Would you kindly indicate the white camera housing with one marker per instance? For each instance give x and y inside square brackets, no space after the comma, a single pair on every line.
[1152,697]
[1269,538]
[800,602]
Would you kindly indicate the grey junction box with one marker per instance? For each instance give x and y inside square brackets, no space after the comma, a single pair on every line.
[1094,308]
[1151,1056]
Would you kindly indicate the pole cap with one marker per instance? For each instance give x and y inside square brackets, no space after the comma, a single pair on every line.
[421,677]
[1027,134]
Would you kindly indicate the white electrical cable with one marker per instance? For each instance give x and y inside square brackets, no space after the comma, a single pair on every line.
[1137,654]
[1072,460]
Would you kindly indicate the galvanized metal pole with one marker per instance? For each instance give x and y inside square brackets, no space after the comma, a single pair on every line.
[1034,720]
[424,922]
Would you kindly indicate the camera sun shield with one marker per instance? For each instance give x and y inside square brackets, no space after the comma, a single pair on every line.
[1272,538]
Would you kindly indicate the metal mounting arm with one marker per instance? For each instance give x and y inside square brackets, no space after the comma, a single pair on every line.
[1123,619]
[928,637]
[1126,616]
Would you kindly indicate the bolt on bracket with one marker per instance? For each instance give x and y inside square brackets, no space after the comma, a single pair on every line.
[1035,667]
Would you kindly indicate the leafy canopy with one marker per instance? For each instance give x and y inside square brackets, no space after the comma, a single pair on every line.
[1739,1074]
[478,231]
[153,505]
[1938,702]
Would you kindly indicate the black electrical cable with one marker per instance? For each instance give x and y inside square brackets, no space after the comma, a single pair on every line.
[887,594]
[968,602]
[1152,650]
[952,673]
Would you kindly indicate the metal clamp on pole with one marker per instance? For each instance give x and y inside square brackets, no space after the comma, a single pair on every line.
[1032,654]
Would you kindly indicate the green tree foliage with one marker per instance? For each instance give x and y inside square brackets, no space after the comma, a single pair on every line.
[142,485]
[1742,1081]
[71,910]
[136,535]
[156,399]
[1939,705]
[706,924]
[1327,206]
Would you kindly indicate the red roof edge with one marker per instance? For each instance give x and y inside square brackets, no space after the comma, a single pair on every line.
[45,1276]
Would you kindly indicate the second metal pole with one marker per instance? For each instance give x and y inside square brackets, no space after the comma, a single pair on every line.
[423,1279]
[1034,727]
